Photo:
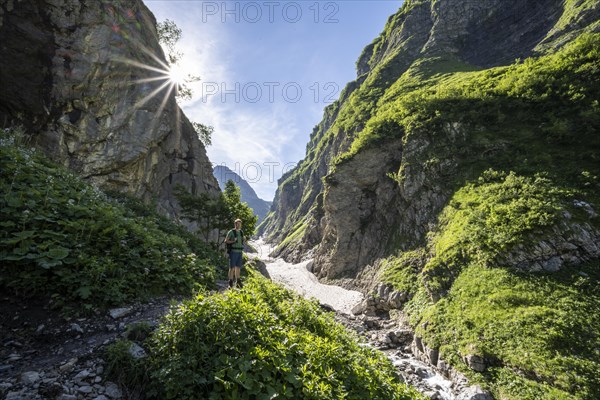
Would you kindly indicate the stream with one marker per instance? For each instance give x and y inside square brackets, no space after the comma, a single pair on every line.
[298,277]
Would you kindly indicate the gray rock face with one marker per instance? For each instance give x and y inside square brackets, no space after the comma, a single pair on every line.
[475,393]
[354,228]
[137,351]
[72,74]
[470,29]
[30,377]
[381,300]
[117,313]
[350,216]
[569,244]
[475,362]
[113,391]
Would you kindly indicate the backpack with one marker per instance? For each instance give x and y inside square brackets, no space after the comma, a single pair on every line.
[229,246]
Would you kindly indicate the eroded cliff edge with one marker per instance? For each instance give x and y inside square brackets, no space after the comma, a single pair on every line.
[342,203]
[80,77]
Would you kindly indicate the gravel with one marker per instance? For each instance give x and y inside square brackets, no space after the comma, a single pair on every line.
[297,277]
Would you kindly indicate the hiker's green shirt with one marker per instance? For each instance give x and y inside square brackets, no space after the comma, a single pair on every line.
[238,236]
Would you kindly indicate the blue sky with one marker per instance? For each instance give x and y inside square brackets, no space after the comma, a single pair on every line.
[268,68]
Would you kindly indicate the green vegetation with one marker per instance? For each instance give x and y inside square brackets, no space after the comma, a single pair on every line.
[261,342]
[217,211]
[66,239]
[572,10]
[204,133]
[129,373]
[403,271]
[534,115]
[538,333]
[296,234]
[485,220]
[539,118]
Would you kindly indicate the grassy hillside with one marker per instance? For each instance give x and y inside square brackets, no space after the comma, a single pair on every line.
[538,332]
[525,149]
[544,107]
[65,239]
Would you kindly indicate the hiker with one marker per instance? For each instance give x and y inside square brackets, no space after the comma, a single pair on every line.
[235,240]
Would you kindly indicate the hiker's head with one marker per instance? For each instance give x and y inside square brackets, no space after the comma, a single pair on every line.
[238,223]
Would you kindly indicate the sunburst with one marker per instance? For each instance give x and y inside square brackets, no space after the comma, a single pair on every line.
[177,75]
[165,82]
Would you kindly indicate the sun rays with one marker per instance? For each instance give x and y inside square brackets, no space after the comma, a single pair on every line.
[161,81]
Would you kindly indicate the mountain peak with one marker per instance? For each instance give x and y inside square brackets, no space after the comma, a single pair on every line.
[260,206]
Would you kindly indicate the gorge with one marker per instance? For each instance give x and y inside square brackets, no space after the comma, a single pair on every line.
[455,183]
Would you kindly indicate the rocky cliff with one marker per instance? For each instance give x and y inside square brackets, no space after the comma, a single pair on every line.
[83,79]
[248,195]
[348,219]
[460,174]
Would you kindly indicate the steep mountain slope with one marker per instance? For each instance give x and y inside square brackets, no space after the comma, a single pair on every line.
[82,78]
[258,205]
[462,168]
[421,46]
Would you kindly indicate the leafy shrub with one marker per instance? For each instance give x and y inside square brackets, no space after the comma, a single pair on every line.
[135,208]
[64,238]
[138,331]
[403,271]
[264,342]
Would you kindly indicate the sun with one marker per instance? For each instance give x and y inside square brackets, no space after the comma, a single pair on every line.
[176,75]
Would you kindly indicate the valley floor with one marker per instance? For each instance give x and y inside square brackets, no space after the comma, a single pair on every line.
[389,335]
[43,355]
[298,278]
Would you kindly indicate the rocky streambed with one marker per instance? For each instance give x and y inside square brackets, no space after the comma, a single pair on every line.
[377,319]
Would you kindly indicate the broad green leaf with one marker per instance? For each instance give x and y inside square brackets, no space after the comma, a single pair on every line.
[24,234]
[47,264]
[13,257]
[84,292]
[58,253]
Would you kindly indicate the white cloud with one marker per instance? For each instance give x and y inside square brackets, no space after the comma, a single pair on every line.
[250,142]
[270,135]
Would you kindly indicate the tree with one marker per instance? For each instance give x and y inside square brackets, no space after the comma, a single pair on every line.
[204,209]
[204,133]
[216,212]
[168,35]
[233,199]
